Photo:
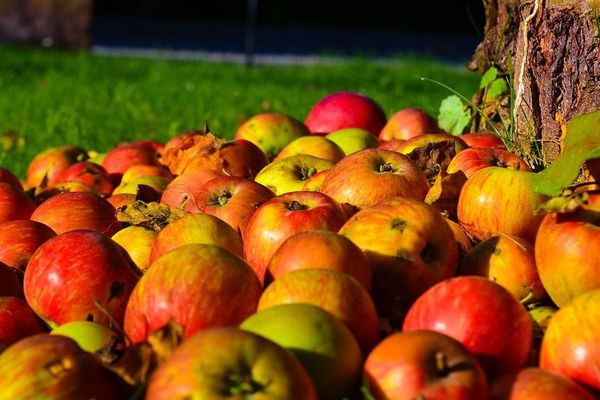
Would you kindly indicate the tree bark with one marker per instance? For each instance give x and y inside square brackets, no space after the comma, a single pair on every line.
[550,49]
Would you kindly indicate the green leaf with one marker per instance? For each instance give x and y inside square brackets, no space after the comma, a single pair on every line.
[454,116]
[582,143]
[497,88]
[489,76]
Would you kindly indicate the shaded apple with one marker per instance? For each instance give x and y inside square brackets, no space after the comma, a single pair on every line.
[17,321]
[408,123]
[14,203]
[351,140]
[8,177]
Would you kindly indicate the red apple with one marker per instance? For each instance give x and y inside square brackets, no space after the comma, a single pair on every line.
[483,139]
[283,216]
[391,145]
[79,275]
[197,286]
[182,189]
[408,123]
[509,261]
[321,250]
[46,167]
[77,210]
[271,132]
[333,291]
[565,250]
[499,200]
[230,363]
[410,248]
[54,367]
[536,383]
[8,177]
[369,176]
[196,228]
[17,321]
[120,200]
[14,203]
[570,344]
[121,158]
[90,174]
[20,238]
[480,314]
[473,159]
[345,110]
[424,364]
[137,171]
[231,199]
[155,145]
[10,285]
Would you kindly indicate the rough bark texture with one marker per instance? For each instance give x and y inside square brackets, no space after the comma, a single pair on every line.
[64,23]
[559,51]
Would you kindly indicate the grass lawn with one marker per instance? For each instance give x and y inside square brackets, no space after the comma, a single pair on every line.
[49,98]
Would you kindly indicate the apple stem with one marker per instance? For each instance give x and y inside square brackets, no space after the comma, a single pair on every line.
[441,364]
[387,167]
[527,298]
[296,206]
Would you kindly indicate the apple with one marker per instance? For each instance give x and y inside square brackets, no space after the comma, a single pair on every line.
[509,261]
[46,167]
[14,203]
[322,343]
[351,140]
[90,174]
[283,216]
[321,250]
[54,367]
[317,146]
[197,286]
[564,251]
[230,363]
[90,336]
[423,364]
[196,228]
[121,158]
[369,176]
[408,123]
[290,174]
[391,145]
[480,314]
[473,159]
[77,210]
[177,140]
[120,200]
[155,145]
[465,244]
[137,171]
[10,284]
[345,110]
[231,199]
[182,189]
[271,132]
[80,275]
[500,200]
[570,344]
[483,139]
[8,177]
[535,383]
[156,183]
[17,321]
[236,158]
[335,292]
[410,248]
[20,238]
[314,183]
[137,241]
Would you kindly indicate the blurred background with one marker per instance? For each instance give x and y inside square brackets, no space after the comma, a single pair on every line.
[249,30]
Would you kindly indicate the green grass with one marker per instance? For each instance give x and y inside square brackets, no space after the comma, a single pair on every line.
[51,98]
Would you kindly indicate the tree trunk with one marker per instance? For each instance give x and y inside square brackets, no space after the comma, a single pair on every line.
[550,49]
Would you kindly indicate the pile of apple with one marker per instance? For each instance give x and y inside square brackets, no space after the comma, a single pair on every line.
[346,257]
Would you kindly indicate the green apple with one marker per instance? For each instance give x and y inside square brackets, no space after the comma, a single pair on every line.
[271,132]
[90,336]
[322,343]
[290,174]
[351,140]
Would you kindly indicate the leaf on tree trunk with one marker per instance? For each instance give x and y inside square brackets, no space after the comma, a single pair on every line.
[582,143]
